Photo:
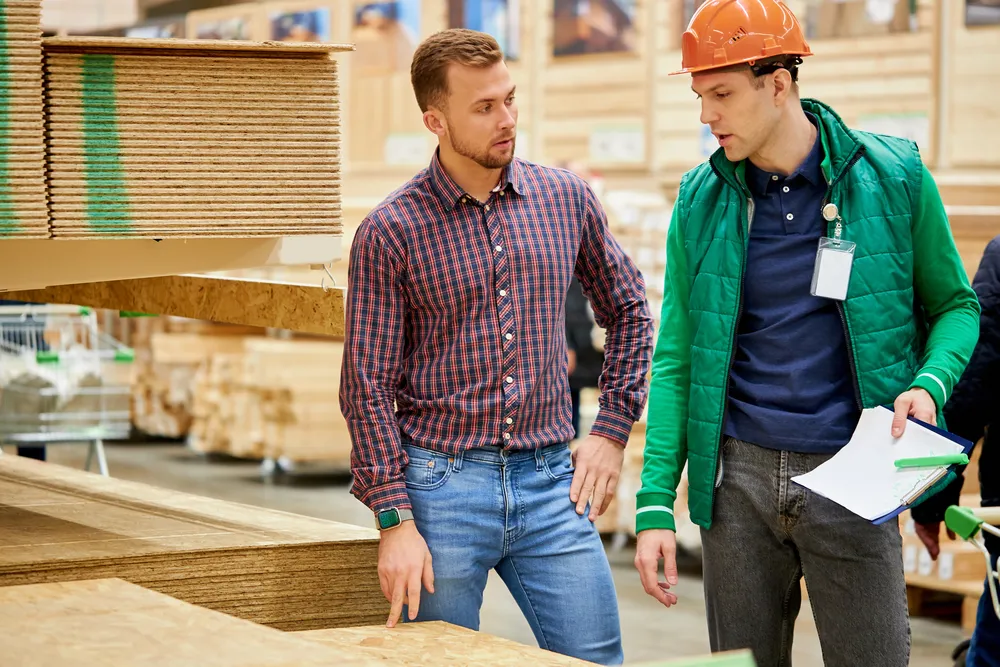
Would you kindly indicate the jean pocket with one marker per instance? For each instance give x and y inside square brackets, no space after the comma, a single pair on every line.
[558,462]
[426,470]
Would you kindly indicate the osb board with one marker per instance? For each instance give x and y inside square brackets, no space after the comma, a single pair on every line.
[291,572]
[435,644]
[112,622]
[188,46]
[296,306]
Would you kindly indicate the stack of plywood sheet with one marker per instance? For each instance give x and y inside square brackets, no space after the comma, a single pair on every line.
[184,138]
[23,210]
[278,569]
[112,622]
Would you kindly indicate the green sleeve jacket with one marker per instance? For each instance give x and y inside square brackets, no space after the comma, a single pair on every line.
[911,318]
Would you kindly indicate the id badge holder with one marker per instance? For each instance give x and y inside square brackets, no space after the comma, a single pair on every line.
[834,261]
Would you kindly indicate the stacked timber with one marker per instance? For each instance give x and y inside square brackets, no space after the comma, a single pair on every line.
[23,210]
[286,571]
[153,138]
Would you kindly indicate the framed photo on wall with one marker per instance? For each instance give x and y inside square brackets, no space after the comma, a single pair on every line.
[304,26]
[982,12]
[499,18]
[593,26]
[385,35]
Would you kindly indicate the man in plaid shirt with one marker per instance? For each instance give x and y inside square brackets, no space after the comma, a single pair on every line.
[455,385]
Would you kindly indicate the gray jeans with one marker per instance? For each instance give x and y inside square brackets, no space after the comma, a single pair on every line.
[767,533]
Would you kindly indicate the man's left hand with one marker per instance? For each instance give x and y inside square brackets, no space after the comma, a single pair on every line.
[916,403]
[598,464]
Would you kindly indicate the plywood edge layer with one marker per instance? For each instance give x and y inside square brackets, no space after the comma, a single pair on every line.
[132,44]
[294,306]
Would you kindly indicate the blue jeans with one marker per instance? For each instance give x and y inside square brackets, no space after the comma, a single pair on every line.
[489,509]
[984,651]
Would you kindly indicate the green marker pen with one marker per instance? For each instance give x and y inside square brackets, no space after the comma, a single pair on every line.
[933,461]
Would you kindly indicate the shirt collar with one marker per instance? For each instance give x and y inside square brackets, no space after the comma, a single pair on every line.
[511,178]
[811,168]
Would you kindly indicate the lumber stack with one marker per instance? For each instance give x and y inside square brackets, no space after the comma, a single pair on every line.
[112,622]
[184,138]
[23,211]
[273,399]
[166,366]
[282,570]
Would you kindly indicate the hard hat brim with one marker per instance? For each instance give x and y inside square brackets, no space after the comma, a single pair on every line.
[707,68]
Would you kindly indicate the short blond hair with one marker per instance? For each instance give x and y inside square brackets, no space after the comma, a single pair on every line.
[429,69]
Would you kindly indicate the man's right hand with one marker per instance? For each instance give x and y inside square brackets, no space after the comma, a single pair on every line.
[404,561]
[651,546]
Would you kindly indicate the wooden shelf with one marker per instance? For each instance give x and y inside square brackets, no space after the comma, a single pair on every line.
[30,264]
[296,306]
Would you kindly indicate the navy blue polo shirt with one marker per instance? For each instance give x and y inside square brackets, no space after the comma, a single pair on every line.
[790,386]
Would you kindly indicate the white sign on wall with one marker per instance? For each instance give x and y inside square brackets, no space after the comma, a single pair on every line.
[407,149]
[623,142]
[913,126]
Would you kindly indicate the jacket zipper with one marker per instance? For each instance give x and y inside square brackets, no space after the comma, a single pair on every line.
[732,354]
[841,310]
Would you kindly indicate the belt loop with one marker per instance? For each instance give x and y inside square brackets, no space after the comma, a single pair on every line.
[456,460]
[539,458]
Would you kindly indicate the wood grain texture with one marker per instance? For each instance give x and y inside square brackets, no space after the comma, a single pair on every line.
[435,644]
[295,306]
[287,571]
[195,46]
[111,622]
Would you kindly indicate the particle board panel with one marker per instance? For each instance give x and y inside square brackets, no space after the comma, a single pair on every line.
[435,644]
[283,570]
[111,622]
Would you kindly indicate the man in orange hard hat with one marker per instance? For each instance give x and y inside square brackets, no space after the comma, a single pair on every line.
[811,275]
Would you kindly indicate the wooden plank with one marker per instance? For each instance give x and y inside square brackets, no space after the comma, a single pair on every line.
[287,571]
[112,622]
[283,305]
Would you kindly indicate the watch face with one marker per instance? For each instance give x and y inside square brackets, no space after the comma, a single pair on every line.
[388,519]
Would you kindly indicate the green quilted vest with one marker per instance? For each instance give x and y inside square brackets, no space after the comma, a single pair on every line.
[875,181]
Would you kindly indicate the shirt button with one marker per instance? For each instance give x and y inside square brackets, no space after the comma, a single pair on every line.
[785,189]
[509,420]
[790,216]
[506,436]
[502,193]
[510,380]
[499,248]
[509,336]
[487,207]
[503,292]
[774,178]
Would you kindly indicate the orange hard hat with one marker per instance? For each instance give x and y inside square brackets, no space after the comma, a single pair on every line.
[730,32]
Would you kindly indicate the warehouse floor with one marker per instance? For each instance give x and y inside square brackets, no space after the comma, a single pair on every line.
[650,632]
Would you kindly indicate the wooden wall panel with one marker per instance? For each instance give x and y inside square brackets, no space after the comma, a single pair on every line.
[974,82]
[593,92]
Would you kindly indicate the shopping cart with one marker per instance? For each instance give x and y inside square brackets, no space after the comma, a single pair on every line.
[969,524]
[62,380]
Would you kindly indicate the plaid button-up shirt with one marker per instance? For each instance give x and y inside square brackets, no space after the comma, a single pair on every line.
[456,321]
